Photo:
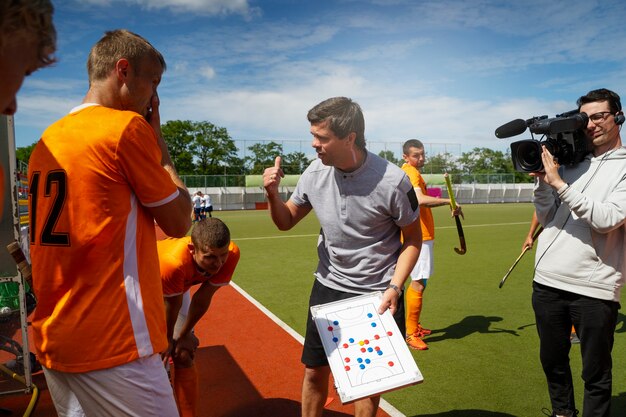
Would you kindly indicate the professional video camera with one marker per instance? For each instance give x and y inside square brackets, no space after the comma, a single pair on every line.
[564,136]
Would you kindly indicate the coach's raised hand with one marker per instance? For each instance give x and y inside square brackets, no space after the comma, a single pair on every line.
[272,176]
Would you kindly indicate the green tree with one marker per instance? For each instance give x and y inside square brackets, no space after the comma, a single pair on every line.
[441,163]
[263,156]
[179,137]
[234,166]
[485,161]
[214,148]
[389,156]
[201,148]
[295,163]
[23,153]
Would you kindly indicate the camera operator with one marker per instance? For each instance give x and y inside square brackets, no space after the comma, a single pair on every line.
[579,264]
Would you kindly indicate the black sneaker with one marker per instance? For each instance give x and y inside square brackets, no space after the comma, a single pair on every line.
[547,412]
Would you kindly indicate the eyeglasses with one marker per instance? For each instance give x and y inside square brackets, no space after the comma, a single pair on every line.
[599,117]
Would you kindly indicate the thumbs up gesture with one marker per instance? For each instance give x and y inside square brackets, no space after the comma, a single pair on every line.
[272,176]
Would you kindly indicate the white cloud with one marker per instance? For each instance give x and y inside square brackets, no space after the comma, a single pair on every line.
[54,85]
[206,7]
[445,71]
[460,124]
[37,112]
[207,72]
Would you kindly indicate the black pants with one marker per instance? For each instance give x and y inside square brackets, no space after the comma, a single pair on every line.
[594,320]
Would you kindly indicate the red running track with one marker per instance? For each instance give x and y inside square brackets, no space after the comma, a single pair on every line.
[249,366]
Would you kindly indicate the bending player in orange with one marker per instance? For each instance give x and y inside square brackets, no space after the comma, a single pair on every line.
[207,258]
[415,157]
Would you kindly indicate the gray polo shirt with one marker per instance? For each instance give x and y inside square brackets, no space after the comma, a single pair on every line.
[361,214]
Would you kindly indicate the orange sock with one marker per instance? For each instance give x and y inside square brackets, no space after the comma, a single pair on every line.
[413,310]
[186,390]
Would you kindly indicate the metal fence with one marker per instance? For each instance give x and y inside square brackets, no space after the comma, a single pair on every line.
[486,179]
[304,146]
[210,181]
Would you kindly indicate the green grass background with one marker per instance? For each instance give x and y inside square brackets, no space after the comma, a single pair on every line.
[483,353]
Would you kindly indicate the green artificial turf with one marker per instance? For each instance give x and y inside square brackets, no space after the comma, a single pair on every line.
[483,353]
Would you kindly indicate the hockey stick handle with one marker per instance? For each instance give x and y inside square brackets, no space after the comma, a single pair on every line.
[21,261]
[513,266]
[450,193]
[535,236]
[459,226]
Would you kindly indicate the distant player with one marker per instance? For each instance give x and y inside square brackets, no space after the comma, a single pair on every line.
[197,201]
[206,258]
[208,206]
[415,157]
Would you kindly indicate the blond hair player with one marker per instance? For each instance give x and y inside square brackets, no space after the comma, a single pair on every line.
[99,325]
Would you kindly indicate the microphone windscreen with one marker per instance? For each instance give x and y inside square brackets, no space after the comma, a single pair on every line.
[512,128]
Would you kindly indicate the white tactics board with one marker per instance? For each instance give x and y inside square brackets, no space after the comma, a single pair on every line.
[365,350]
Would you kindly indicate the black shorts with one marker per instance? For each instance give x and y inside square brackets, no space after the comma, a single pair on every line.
[313,354]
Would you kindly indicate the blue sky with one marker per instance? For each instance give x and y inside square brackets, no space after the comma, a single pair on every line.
[443,71]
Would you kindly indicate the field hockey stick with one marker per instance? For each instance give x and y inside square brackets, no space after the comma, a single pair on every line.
[459,227]
[526,248]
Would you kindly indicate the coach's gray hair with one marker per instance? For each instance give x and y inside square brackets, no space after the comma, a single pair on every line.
[344,116]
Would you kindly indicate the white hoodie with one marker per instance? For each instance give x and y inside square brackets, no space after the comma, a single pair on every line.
[582,247]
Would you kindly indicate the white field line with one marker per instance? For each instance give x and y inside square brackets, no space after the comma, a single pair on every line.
[388,408]
[465,226]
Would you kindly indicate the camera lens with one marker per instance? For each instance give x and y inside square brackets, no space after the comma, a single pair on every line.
[526,156]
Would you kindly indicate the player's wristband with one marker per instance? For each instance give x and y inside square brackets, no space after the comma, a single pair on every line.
[395,288]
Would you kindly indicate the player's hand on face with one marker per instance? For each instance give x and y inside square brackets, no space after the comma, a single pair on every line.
[272,176]
[153,116]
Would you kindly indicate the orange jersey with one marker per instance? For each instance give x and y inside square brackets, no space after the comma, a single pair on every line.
[426,215]
[179,271]
[93,246]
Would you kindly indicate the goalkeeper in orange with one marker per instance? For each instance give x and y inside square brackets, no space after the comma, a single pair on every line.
[207,258]
[415,157]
